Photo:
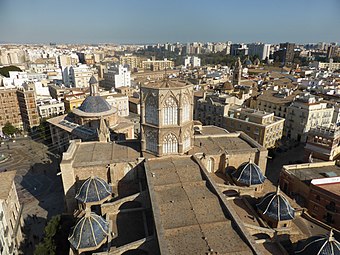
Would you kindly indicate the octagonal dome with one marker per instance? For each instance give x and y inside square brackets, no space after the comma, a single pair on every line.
[276,206]
[249,174]
[93,190]
[319,245]
[89,233]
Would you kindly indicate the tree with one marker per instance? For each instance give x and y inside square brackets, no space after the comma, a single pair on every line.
[48,245]
[4,71]
[9,129]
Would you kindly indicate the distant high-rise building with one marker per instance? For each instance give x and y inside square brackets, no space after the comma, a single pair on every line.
[285,54]
[262,50]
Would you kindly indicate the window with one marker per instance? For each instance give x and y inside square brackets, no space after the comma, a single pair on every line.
[186,110]
[170,112]
[151,114]
[170,144]
[151,141]
[186,141]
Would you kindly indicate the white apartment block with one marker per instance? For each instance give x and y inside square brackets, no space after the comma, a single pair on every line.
[260,49]
[331,66]
[78,76]
[119,101]
[192,61]
[11,220]
[50,108]
[306,112]
[117,76]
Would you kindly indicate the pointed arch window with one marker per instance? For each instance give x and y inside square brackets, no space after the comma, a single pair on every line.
[151,114]
[186,110]
[170,110]
[151,141]
[170,144]
[186,141]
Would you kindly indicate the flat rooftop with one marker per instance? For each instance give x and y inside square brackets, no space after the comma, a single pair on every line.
[189,217]
[98,153]
[216,141]
[308,172]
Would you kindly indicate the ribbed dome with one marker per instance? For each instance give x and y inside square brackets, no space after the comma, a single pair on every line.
[94,189]
[94,104]
[89,232]
[249,174]
[319,245]
[276,206]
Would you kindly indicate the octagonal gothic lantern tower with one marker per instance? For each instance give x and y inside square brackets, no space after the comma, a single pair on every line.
[167,117]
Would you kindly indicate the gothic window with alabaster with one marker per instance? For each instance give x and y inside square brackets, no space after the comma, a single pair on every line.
[186,141]
[186,110]
[170,112]
[170,144]
[151,114]
[151,141]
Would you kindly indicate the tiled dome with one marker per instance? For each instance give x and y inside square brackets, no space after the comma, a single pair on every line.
[276,207]
[319,245]
[90,232]
[94,189]
[94,104]
[249,174]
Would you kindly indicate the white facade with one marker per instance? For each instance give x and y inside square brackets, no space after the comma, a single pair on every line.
[192,61]
[117,76]
[119,101]
[50,108]
[260,49]
[123,77]
[306,112]
[77,77]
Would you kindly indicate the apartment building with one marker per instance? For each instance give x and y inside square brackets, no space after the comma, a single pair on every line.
[305,112]
[78,76]
[316,187]
[263,127]
[9,108]
[157,65]
[28,108]
[323,142]
[11,220]
[50,108]
[132,62]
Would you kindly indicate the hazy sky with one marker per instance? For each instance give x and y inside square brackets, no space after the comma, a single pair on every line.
[148,21]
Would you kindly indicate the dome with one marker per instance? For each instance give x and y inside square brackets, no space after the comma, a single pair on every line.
[276,206]
[89,232]
[319,245]
[94,104]
[94,189]
[249,174]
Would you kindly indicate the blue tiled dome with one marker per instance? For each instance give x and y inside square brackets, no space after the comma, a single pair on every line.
[319,245]
[94,189]
[89,232]
[249,174]
[94,104]
[276,206]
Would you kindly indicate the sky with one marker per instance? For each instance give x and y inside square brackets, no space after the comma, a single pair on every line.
[159,21]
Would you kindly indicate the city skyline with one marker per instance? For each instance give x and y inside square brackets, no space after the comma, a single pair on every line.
[151,21]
